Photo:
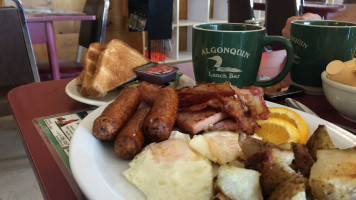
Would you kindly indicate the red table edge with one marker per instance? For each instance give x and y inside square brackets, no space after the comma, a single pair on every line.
[35,155]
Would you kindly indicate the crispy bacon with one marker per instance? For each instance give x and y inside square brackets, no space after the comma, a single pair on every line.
[252,97]
[193,95]
[213,103]
[242,105]
[235,109]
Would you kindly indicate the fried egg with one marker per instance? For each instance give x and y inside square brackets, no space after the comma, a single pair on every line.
[171,170]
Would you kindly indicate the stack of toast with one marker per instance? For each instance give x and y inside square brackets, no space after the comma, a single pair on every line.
[108,66]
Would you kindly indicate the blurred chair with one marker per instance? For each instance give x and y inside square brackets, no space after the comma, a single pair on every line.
[90,31]
[17,61]
[240,10]
[93,31]
[277,13]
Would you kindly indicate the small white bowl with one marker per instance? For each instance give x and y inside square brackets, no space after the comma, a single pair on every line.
[341,97]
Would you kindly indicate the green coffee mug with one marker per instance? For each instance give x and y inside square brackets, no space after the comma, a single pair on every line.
[316,44]
[232,52]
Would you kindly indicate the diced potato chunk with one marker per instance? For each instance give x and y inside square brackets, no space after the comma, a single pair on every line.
[333,175]
[239,183]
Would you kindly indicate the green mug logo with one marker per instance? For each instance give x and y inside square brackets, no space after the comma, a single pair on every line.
[220,69]
[301,44]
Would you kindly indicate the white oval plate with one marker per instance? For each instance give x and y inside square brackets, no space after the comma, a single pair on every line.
[73,91]
[97,169]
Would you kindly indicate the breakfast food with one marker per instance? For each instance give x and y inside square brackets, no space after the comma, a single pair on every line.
[180,165]
[115,115]
[243,106]
[159,124]
[115,67]
[303,160]
[171,170]
[333,174]
[319,140]
[108,66]
[277,130]
[197,121]
[130,139]
[292,117]
[220,147]
[293,188]
[91,59]
[229,177]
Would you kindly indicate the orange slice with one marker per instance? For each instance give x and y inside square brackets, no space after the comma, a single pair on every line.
[292,117]
[277,131]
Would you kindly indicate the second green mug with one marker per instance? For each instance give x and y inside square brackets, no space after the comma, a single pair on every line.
[316,43]
[232,52]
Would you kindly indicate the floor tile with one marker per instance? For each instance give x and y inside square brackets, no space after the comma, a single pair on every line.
[17,180]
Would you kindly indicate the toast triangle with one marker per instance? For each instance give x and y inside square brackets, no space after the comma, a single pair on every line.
[91,59]
[115,67]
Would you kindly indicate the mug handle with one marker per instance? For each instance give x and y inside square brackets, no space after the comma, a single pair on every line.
[287,65]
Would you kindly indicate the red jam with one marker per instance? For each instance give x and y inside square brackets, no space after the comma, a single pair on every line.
[156,73]
[159,69]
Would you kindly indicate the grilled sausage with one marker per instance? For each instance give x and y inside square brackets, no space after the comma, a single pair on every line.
[130,140]
[160,121]
[115,115]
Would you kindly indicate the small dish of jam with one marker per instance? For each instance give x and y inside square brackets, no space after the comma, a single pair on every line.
[156,73]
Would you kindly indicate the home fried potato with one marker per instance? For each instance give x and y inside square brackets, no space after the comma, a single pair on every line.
[274,174]
[294,188]
[238,183]
[250,145]
[303,160]
[333,174]
[320,139]
[274,166]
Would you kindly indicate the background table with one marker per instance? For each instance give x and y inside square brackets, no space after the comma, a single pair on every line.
[324,10]
[48,98]
[41,30]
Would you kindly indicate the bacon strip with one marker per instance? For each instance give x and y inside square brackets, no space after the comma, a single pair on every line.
[252,97]
[194,122]
[213,103]
[244,107]
[193,95]
[234,108]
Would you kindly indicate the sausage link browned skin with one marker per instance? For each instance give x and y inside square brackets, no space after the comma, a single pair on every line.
[160,121]
[130,139]
[115,115]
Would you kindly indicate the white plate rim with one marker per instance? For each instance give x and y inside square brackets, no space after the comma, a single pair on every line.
[73,91]
[95,181]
